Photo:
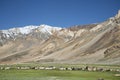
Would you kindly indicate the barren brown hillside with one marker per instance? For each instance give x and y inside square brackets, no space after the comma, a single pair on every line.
[89,44]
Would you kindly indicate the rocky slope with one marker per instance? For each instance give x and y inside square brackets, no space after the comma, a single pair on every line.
[89,44]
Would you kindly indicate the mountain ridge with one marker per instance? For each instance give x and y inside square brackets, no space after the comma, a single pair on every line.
[87,44]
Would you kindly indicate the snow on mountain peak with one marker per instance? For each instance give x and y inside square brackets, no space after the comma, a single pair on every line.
[27,29]
[21,30]
[47,28]
[50,27]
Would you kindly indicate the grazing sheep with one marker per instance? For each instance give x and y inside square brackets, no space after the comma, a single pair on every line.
[73,68]
[86,68]
[107,70]
[7,68]
[94,68]
[18,68]
[83,69]
[90,69]
[54,67]
[32,67]
[100,79]
[117,70]
[42,68]
[36,68]
[48,68]
[62,68]
[25,68]
[79,68]
[1,68]
[69,68]
[99,69]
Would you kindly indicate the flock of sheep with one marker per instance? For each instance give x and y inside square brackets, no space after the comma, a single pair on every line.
[86,68]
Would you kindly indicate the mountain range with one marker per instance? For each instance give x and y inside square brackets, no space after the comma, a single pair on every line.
[84,44]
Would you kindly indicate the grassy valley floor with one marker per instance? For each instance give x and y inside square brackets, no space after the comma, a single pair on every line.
[55,75]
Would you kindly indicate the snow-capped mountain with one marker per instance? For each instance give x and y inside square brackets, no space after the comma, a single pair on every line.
[94,43]
[41,32]
[27,29]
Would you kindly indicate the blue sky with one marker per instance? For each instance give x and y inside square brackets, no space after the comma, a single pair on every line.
[63,13]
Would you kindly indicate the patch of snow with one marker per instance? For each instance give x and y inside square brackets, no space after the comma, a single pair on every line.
[48,29]
[27,29]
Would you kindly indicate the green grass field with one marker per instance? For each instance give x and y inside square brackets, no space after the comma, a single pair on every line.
[55,75]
